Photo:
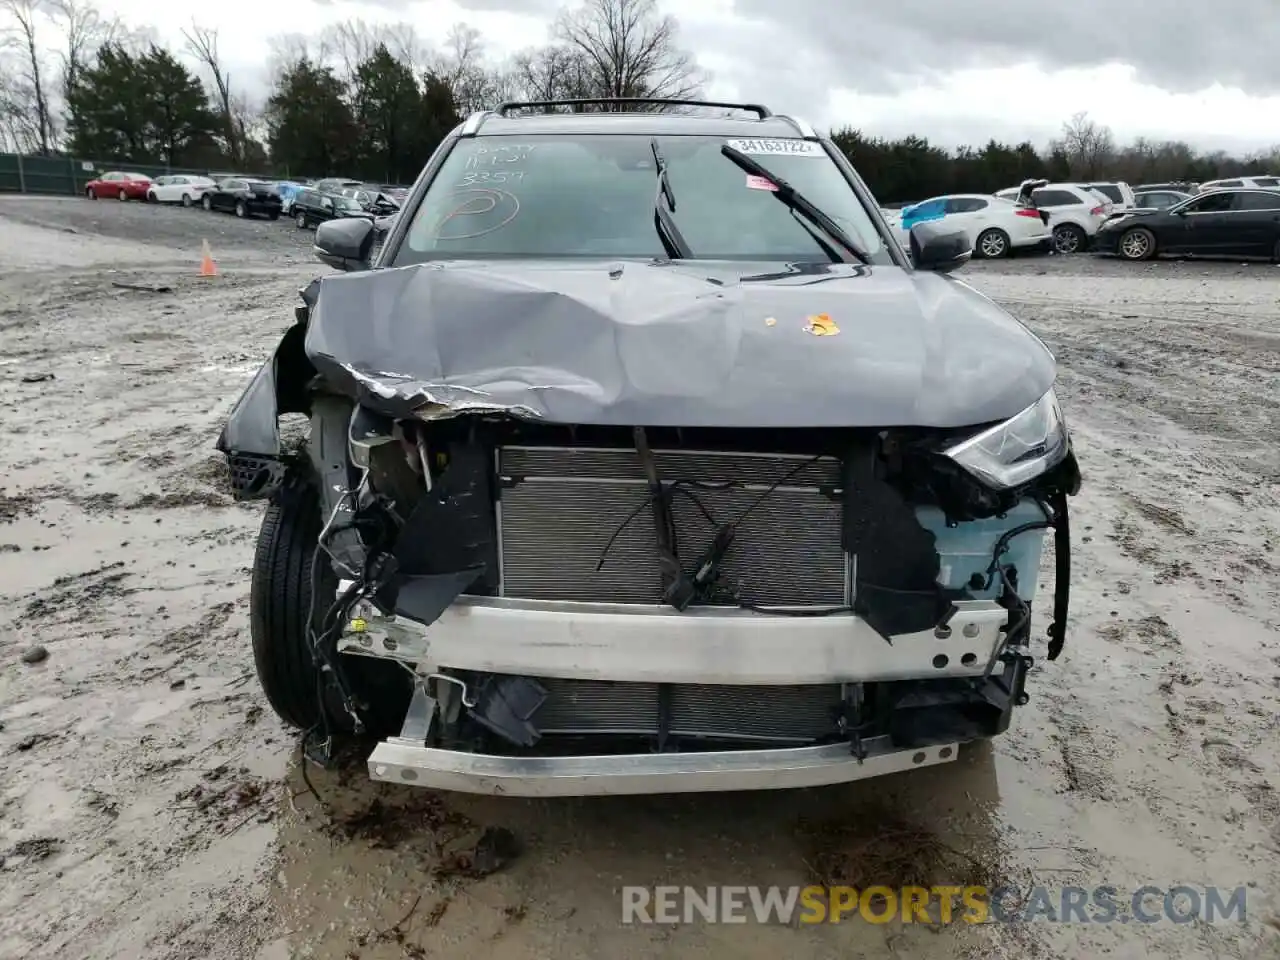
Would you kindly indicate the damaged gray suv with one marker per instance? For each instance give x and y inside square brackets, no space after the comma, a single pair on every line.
[641,458]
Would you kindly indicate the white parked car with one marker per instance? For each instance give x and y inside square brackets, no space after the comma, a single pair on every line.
[186,189]
[1117,191]
[1266,183]
[995,226]
[1075,211]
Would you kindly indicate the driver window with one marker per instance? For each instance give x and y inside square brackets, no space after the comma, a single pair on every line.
[1216,203]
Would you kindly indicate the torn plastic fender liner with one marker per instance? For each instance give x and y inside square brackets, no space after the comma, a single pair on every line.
[279,386]
[896,587]
[1061,573]
[424,598]
[449,542]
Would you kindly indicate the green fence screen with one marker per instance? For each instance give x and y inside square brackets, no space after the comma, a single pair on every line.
[67,176]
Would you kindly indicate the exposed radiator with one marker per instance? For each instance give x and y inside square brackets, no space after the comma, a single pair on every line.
[798,714]
[560,506]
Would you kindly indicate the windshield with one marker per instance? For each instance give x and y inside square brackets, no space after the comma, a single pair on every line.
[593,196]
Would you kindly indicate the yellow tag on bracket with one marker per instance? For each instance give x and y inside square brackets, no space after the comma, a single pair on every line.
[821,325]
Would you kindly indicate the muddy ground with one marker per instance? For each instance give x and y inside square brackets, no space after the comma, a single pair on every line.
[152,807]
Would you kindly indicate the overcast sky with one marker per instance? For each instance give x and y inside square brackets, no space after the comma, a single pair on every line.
[954,72]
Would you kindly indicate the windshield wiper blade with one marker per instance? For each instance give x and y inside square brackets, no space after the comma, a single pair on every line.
[672,240]
[797,202]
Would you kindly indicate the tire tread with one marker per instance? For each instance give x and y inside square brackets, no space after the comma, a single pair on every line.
[279,598]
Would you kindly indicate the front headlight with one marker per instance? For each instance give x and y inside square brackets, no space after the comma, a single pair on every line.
[1018,450]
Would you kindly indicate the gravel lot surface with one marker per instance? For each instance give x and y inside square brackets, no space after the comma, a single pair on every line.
[152,807]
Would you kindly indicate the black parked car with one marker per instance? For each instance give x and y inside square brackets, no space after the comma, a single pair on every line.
[374,201]
[336,184]
[1237,223]
[245,198]
[311,207]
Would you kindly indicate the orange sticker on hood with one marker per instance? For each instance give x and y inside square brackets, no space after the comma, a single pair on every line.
[821,325]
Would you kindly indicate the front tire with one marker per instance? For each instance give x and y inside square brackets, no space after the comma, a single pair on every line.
[207,203]
[90,194]
[301,221]
[279,602]
[241,210]
[1068,238]
[123,196]
[1137,244]
[992,244]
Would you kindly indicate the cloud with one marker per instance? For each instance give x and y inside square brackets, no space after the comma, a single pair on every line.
[1179,45]
[956,72]
[533,8]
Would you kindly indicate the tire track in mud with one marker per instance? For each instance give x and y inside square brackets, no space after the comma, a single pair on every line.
[133,579]
[1162,724]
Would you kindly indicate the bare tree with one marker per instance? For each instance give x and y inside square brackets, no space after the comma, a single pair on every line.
[247,121]
[84,31]
[23,37]
[552,73]
[352,42]
[202,43]
[18,128]
[630,50]
[1089,146]
[462,65]
[287,50]
[403,43]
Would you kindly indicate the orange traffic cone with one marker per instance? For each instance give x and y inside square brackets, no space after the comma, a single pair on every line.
[207,267]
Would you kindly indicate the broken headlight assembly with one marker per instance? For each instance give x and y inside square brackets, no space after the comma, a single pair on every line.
[1012,453]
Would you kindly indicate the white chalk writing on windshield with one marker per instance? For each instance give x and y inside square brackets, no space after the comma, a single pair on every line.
[492,156]
[494,176]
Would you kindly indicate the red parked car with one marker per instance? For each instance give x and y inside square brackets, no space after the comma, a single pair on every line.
[123,186]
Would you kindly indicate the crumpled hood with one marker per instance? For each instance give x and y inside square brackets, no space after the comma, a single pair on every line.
[695,344]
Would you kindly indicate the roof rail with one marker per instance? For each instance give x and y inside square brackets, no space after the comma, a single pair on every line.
[758,109]
[471,126]
[803,127]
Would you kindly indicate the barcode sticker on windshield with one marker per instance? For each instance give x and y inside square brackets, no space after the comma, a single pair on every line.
[777,148]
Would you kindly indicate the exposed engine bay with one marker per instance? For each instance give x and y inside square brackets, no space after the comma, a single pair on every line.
[802,524]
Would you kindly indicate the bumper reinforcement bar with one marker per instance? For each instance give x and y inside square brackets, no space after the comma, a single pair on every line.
[398,762]
[635,643]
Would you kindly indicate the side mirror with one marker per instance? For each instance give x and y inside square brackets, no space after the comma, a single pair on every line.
[344,244]
[935,248]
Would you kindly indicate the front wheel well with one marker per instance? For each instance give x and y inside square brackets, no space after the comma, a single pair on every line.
[294,372]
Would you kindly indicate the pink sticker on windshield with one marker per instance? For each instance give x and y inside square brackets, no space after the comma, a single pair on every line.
[759,183]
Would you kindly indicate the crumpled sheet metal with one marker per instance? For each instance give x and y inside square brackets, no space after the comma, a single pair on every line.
[693,345]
